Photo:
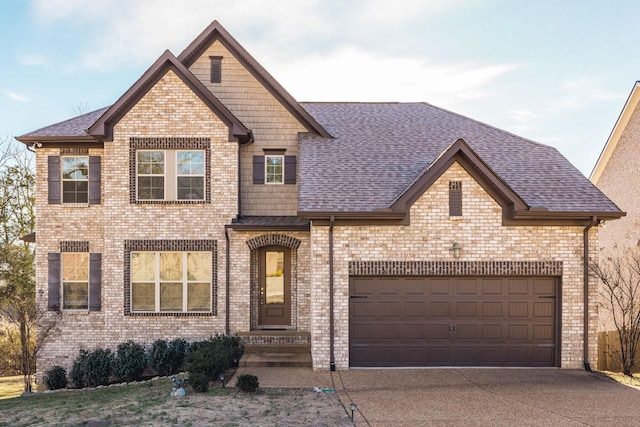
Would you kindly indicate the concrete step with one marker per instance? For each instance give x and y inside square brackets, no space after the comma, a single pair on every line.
[291,360]
[277,348]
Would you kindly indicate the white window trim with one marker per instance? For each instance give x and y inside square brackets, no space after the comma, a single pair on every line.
[171,176]
[63,180]
[266,166]
[62,282]
[157,282]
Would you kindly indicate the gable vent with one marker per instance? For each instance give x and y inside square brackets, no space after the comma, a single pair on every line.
[216,69]
[455,198]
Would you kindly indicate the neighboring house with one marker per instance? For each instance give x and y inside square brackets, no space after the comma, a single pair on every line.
[207,200]
[617,174]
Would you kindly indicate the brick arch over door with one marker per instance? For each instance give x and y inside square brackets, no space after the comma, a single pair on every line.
[273,240]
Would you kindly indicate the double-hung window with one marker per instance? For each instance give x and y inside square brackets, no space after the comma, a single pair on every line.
[170,175]
[75,179]
[274,169]
[75,281]
[171,281]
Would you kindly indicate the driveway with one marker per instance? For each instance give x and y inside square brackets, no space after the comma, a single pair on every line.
[486,397]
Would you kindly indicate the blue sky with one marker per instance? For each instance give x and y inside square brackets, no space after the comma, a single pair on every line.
[554,71]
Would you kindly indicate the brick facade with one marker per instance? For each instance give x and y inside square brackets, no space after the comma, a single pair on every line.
[423,247]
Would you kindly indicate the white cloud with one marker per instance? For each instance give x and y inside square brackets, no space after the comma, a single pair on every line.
[15,96]
[33,59]
[578,94]
[352,74]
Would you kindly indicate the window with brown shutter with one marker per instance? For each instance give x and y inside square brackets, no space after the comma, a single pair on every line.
[455,198]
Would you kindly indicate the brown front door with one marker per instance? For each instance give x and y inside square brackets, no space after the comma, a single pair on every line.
[275,286]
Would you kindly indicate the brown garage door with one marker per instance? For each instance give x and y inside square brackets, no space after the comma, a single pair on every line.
[452,321]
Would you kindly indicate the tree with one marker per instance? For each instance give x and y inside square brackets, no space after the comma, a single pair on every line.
[619,275]
[18,310]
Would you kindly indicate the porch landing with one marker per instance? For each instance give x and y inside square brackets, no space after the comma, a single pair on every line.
[276,348]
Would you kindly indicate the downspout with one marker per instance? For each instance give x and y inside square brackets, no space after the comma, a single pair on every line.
[228,279]
[332,363]
[585,278]
[239,182]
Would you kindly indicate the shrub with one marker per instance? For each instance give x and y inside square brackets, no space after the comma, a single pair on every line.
[199,382]
[167,358]
[55,378]
[129,361]
[248,383]
[213,356]
[92,368]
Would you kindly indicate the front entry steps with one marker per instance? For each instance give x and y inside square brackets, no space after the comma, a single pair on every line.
[276,349]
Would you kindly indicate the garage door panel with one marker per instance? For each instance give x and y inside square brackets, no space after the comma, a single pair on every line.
[440,309]
[453,321]
[467,309]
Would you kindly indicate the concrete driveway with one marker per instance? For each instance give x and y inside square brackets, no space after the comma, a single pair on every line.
[486,397]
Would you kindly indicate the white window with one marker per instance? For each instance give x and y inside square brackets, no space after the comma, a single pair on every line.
[75,179]
[274,169]
[170,281]
[75,281]
[170,174]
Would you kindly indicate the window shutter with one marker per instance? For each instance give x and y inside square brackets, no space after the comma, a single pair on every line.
[94,179]
[455,198]
[216,69]
[290,169]
[54,179]
[258,169]
[95,281]
[54,259]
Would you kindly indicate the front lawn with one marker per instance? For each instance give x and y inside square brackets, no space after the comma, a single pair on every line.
[150,403]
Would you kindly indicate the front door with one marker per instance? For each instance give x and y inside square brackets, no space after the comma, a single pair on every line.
[275,286]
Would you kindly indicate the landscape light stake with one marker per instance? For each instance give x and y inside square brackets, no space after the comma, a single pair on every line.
[222,380]
[353,408]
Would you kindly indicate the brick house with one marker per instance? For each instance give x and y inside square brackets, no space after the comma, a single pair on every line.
[207,200]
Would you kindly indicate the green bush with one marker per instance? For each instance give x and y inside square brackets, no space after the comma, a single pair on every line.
[56,378]
[129,361]
[213,356]
[92,368]
[199,382]
[167,358]
[248,383]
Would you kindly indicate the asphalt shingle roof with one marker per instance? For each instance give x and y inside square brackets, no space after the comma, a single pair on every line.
[380,148]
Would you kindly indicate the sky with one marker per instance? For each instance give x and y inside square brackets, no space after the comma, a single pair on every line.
[554,71]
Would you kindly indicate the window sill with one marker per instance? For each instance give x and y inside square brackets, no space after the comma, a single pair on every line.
[75,205]
[169,314]
[456,218]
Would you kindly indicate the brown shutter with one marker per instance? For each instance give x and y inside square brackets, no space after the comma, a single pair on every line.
[216,69]
[54,281]
[455,198]
[258,169]
[94,180]
[54,179]
[95,281]
[290,169]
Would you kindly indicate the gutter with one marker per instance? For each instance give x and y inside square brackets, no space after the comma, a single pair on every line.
[585,291]
[332,362]
[227,286]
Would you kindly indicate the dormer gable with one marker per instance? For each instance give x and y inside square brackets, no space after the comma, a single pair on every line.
[103,127]
[216,32]
[460,152]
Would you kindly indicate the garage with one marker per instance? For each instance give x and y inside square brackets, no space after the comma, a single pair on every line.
[453,321]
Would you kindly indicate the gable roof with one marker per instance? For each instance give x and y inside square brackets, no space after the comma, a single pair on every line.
[623,119]
[103,127]
[381,151]
[215,31]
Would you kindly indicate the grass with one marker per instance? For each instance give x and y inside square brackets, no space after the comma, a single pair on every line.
[12,387]
[150,403]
